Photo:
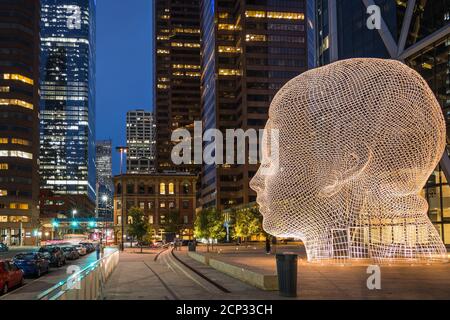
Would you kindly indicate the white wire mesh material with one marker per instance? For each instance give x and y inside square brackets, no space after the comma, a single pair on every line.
[358,140]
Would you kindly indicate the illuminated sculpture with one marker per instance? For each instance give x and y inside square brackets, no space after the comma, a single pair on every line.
[358,140]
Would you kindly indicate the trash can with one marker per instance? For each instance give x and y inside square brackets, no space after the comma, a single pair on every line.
[287,274]
[191,246]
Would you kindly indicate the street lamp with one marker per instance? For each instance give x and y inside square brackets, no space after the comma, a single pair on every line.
[74,212]
[105,223]
[122,151]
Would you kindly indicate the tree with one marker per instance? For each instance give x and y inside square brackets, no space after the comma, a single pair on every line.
[138,227]
[247,223]
[209,225]
[172,222]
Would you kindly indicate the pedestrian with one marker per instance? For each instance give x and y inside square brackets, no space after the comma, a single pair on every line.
[98,251]
[267,244]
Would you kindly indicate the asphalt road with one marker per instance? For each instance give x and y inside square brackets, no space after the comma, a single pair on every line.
[33,287]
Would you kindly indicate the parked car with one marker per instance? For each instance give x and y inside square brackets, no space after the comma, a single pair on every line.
[81,250]
[3,247]
[57,257]
[90,247]
[10,276]
[32,263]
[71,253]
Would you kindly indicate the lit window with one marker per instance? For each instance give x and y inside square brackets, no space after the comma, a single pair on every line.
[3,218]
[150,219]
[19,206]
[19,219]
[162,188]
[229,72]
[16,154]
[171,188]
[16,102]
[3,140]
[285,15]
[3,193]
[18,77]
[163,51]
[162,205]
[227,26]
[4,166]
[255,37]
[22,142]
[228,49]
[4,89]
[192,74]
[224,15]
[255,14]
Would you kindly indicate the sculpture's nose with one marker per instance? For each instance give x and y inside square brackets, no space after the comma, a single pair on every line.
[257,183]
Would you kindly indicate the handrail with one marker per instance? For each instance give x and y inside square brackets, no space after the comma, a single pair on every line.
[62,287]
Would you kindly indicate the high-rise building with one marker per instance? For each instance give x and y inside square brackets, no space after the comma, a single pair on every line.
[177,74]
[19,124]
[141,130]
[105,186]
[415,32]
[67,105]
[250,49]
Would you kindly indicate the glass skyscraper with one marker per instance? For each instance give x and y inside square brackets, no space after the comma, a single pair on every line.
[414,32]
[67,105]
[105,187]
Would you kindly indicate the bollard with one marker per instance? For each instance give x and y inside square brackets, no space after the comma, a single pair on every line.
[191,246]
[287,274]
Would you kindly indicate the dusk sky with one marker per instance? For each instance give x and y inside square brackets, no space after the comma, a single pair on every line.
[124,66]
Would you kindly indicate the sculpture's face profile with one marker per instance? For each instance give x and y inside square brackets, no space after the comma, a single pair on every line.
[358,140]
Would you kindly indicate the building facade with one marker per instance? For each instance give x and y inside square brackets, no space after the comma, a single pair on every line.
[67,105]
[250,49]
[158,195]
[177,74]
[19,124]
[141,130]
[415,32]
[104,185]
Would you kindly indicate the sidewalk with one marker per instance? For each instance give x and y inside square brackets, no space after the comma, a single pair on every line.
[317,281]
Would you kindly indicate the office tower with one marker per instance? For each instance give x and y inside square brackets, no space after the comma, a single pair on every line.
[67,105]
[141,130]
[415,32]
[105,187]
[250,49]
[177,74]
[19,131]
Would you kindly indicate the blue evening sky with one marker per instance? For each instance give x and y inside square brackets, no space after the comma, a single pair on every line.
[124,66]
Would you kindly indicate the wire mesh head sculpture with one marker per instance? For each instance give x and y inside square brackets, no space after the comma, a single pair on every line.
[358,140]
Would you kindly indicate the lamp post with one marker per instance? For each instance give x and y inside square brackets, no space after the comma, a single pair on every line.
[105,226]
[122,151]
[74,212]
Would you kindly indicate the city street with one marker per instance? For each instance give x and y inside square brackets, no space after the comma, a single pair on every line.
[34,286]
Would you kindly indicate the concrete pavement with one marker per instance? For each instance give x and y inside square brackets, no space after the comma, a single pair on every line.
[140,277]
[316,281]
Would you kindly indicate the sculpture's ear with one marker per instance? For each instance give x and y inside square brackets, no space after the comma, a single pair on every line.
[350,167]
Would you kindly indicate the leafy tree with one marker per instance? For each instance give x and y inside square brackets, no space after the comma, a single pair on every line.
[209,225]
[138,227]
[247,223]
[172,222]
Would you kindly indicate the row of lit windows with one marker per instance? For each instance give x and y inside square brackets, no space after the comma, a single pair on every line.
[4,89]
[229,72]
[16,206]
[185,44]
[273,38]
[16,102]
[16,154]
[185,66]
[162,188]
[228,26]
[186,30]
[18,77]
[163,51]
[275,15]
[229,49]
[5,219]
[18,141]
[187,74]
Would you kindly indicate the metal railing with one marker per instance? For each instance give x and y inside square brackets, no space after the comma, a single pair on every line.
[85,284]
